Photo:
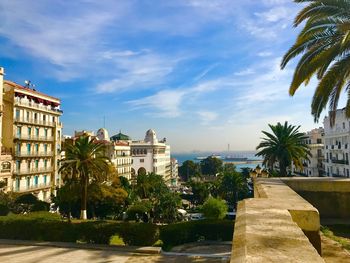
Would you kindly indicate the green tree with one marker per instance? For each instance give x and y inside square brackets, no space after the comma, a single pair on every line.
[214,208]
[150,185]
[85,160]
[188,170]
[324,46]
[232,187]
[211,165]
[200,192]
[284,145]
[166,208]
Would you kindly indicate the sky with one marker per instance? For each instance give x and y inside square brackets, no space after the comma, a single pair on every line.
[202,73]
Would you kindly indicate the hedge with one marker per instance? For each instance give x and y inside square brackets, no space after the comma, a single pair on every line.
[192,231]
[43,226]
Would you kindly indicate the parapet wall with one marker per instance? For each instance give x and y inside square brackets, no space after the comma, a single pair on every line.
[277,225]
[331,196]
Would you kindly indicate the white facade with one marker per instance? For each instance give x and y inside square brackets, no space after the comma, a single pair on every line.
[151,155]
[337,145]
[314,166]
[174,172]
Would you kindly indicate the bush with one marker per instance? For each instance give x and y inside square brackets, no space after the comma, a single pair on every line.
[98,232]
[138,208]
[4,210]
[40,206]
[139,234]
[214,208]
[192,231]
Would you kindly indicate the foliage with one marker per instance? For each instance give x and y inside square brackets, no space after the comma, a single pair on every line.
[214,208]
[324,44]
[4,210]
[211,165]
[150,185]
[84,161]
[284,145]
[166,208]
[188,170]
[139,234]
[233,187]
[192,231]
[139,208]
[200,192]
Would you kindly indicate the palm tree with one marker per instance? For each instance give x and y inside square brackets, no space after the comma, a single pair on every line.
[284,145]
[84,161]
[324,43]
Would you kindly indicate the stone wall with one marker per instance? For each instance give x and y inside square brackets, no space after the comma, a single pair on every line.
[277,225]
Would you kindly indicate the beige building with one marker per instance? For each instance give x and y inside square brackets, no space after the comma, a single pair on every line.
[6,162]
[31,128]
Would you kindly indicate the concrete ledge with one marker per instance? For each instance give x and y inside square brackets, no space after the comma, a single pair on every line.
[271,227]
[125,249]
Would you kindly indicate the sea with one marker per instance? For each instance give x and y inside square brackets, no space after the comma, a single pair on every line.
[181,157]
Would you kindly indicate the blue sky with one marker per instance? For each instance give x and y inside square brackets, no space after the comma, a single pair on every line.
[202,73]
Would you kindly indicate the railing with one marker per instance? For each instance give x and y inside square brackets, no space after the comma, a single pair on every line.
[34,137]
[36,106]
[35,121]
[33,154]
[33,171]
[300,173]
[32,187]
[8,170]
[340,161]
[338,175]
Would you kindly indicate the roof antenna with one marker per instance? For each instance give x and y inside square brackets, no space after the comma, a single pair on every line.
[29,85]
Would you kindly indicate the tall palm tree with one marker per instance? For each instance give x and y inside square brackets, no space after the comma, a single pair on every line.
[84,161]
[284,145]
[324,44]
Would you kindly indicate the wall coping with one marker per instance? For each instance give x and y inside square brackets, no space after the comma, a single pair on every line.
[271,227]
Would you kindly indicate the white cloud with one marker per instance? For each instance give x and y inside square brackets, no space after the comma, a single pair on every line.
[244,72]
[265,54]
[275,14]
[206,117]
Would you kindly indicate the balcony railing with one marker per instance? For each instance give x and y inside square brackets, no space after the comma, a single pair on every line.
[33,137]
[338,175]
[340,161]
[35,121]
[33,154]
[32,188]
[37,106]
[33,171]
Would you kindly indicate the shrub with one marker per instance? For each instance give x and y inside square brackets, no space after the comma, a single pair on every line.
[98,232]
[214,208]
[192,231]
[4,210]
[139,234]
[40,206]
[138,208]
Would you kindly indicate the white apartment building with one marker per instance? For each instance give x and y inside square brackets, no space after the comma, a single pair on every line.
[337,145]
[174,172]
[314,166]
[151,155]
[31,128]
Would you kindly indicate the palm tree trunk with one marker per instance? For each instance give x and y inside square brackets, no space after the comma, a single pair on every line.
[83,214]
[283,169]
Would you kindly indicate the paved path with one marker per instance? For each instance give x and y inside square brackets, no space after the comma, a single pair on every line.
[37,254]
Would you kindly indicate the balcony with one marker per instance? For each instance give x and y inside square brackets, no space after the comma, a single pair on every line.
[33,171]
[338,175]
[34,138]
[340,161]
[32,188]
[33,154]
[31,104]
[35,121]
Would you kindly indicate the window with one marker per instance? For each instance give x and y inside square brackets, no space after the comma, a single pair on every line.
[45,179]
[28,115]
[36,148]
[45,163]
[18,165]
[19,131]
[37,131]
[36,180]
[18,184]
[35,116]
[45,148]
[18,113]
[45,132]
[29,131]
[319,140]
[343,125]
[18,147]
[37,164]
[44,118]
[142,160]
[28,148]
[28,182]
[28,165]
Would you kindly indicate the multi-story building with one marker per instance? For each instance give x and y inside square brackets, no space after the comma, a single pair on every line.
[31,128]
[118,147]
[6,162]
[337,145]
[313,167]
[151,155]
[174,171]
